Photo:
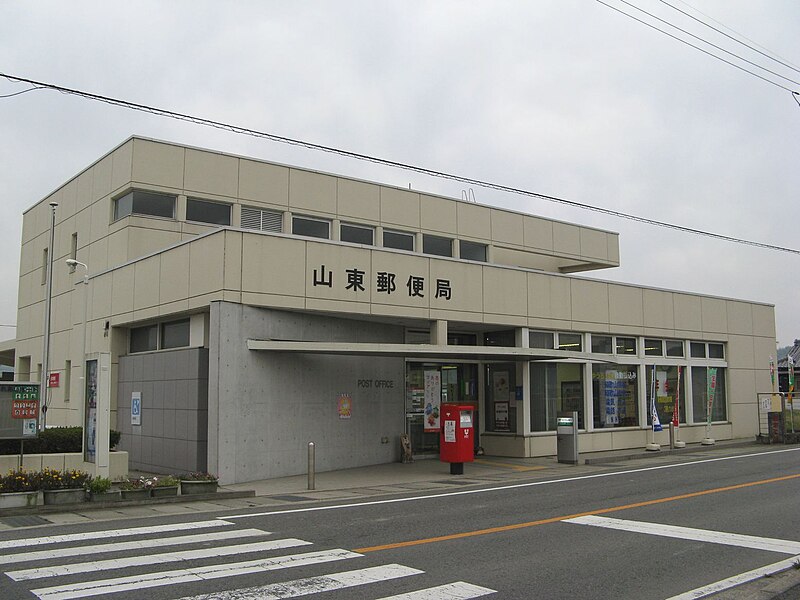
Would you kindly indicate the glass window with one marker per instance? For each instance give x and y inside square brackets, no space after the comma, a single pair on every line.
[500,338]
[501,399]
[541,339]
[555,387]
[700,384]
[434,244]
[73,250]
[674,347]
[653,348]
[715,351]
[602,344]
[175,334]
[263,220]
[697,349]
[311,227]
[144,339]
[615,395]
[666,384]
[204,211]
[570,341]
[357,234]
[462,339]
[626,345]
[472,251]
[398,240]
[139,202]
[45,266]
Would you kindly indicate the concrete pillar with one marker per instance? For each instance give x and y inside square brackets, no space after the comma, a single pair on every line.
[522,340]
[439,333]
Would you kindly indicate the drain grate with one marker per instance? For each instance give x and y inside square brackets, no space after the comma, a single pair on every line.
[24,521]
[457,482]
[290,498]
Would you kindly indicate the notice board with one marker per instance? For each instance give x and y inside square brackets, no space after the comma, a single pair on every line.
[19,410]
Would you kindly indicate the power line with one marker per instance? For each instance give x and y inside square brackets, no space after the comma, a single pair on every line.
[672,6]
[705,41]
[703,50]
[744,37]
[391,163]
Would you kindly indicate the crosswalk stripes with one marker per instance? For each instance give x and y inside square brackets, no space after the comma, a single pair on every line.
[105,575]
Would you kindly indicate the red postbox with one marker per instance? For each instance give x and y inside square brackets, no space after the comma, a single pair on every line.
[457,436]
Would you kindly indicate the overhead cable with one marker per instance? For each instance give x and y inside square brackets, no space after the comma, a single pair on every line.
[703,50]
[390,163]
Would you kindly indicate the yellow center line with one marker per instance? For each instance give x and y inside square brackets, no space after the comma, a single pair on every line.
[513,466]
[599,511]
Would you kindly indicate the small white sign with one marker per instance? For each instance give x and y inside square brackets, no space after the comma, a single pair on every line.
[136,408]
[449,431]
[29,427]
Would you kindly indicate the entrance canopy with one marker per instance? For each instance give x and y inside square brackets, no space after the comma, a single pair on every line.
[486,353]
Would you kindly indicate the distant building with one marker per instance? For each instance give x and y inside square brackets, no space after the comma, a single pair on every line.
[249,308]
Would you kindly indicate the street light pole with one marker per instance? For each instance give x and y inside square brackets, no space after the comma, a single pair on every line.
[45,376]
[72,263]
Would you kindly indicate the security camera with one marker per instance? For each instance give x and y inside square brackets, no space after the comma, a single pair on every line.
[71,262]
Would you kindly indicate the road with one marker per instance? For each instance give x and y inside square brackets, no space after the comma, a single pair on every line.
[635,532]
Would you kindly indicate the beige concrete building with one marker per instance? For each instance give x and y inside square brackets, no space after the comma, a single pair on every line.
[247,308]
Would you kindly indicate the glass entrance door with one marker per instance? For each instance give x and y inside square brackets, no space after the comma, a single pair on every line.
[428,385]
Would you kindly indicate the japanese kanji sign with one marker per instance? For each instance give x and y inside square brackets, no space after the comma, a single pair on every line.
[19,410]
[385,282]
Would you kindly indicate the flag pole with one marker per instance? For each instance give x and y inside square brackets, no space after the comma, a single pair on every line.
[711,388]
[656,425]
[676,413]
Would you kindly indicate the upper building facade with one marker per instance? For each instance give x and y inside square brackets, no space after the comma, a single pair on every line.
[243,304]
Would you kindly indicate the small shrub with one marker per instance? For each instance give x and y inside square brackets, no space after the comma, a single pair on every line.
[98,485]
[56,440]
[17,480]
[53,479]
[198,476]
[165,481]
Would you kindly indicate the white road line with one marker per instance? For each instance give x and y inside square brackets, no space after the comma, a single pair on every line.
[314,585]
[99,535]
[152,559]
[504,487]
[725,584]
[213,536]
[149,580]
[459,590]
[690,533]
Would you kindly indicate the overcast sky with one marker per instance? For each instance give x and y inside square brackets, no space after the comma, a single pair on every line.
[567,98]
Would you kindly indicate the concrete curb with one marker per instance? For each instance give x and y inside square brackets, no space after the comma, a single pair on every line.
[602,460]
[90,506]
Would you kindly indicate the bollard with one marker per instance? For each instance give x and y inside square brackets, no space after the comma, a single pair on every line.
[311,458]
[672,435]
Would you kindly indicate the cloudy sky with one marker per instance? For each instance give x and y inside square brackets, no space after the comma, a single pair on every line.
[567,98]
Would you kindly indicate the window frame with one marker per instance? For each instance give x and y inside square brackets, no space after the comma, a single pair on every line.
[305,219]
[401,235]
[358,227]
[130,197]
[194,200]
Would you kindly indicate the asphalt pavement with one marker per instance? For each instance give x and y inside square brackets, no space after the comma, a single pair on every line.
[421,476]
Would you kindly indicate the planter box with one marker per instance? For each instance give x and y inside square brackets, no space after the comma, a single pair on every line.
[164,491]
[18,499]
[110,496]
[68,496]
[137,494]
[189,488]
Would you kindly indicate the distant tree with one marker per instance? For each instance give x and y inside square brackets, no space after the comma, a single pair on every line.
[784,352]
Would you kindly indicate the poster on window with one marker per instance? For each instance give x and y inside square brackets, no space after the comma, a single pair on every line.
[433,400]
[501,422]
[90,424]
[500,381]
